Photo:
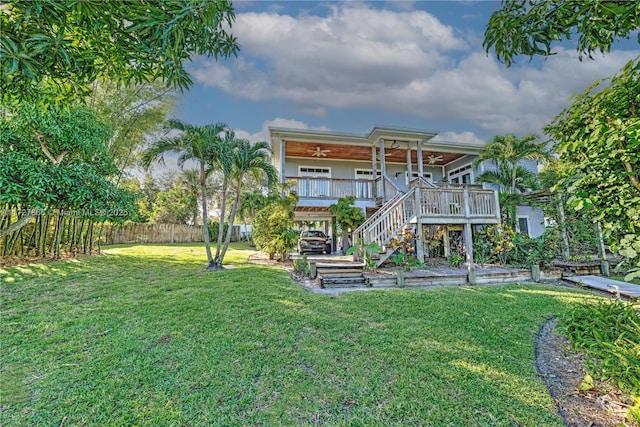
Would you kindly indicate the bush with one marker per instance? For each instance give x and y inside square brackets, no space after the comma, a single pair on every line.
[214,228]
[609,334]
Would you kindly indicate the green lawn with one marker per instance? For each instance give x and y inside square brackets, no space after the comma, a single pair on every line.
[144,336]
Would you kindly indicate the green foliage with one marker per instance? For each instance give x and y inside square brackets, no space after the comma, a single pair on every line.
[69,45]
[133,112]
[500,244]
[301,265]
[405,250]
[272,228]
[347,216]
[214,229]
[366,252]
[523,27]
[598,137]
[455,260]
[609,334]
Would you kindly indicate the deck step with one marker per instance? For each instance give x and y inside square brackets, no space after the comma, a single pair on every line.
[342,282]
[324,271]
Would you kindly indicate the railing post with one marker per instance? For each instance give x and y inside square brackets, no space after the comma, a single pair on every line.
[465,202]
[419,229]
[497,205]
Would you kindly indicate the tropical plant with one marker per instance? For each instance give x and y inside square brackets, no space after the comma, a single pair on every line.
[366,252]
[247,159]
[191,143]
[68,45]
[347,217]
[507,152]
[272,227]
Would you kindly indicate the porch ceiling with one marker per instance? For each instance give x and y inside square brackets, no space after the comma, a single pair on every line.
[324,151]
[310,213]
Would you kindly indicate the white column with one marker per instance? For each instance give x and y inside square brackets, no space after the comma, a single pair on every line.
[383,166]
[383,170]
[374,163]
[409,165]
[420,164]
[282,158]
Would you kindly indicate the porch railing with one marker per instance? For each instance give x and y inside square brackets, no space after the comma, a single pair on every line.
[333,188]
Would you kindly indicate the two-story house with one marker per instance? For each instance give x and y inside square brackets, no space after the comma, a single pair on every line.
[401,178]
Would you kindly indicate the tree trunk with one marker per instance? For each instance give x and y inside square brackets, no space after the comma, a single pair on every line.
[205,216]
[232,217]
[223,210]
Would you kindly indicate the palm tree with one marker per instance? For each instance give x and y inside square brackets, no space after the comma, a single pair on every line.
[250,203]
[508,151]
[246,159]
[192,143]
[511,177]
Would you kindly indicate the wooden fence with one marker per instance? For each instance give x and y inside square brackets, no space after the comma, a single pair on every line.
[156,233]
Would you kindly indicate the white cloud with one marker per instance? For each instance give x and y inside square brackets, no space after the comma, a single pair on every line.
[452,136]
[401,61]
[263,134]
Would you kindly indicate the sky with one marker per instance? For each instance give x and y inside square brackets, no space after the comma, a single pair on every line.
[347,66]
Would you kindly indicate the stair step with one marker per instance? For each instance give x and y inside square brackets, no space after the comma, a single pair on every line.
[342,282]
[323,271]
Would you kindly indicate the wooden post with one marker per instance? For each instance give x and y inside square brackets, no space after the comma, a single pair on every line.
[419,228]
[283,178]
[566,253]
[535,273]
[383,168]
[409,166]
[468,243]
[471,275]
[313,270]
[419,156]
[468,235]
[604,264]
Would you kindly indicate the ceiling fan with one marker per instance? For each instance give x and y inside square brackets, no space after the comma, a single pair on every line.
[433,159]
[318,152]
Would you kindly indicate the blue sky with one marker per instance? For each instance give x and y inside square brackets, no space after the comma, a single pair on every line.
[346,66]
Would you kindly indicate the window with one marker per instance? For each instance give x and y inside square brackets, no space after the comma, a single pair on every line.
[523,225]
[316,187]
[364,190]
[462,175]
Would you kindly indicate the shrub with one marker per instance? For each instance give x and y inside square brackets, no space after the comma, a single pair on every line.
[609,334]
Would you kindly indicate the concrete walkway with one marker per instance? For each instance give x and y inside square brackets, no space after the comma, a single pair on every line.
[607,285]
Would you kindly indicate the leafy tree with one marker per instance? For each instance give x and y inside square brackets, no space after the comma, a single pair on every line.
[598,134]
[55,159]
[598,137]
[250,203]
[191,143]
[272,227]
[133,112]
[347,216]
[525,27]
[69,45]
[247,159]
[178,203]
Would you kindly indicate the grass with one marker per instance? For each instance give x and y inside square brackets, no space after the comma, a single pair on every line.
[144,336]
